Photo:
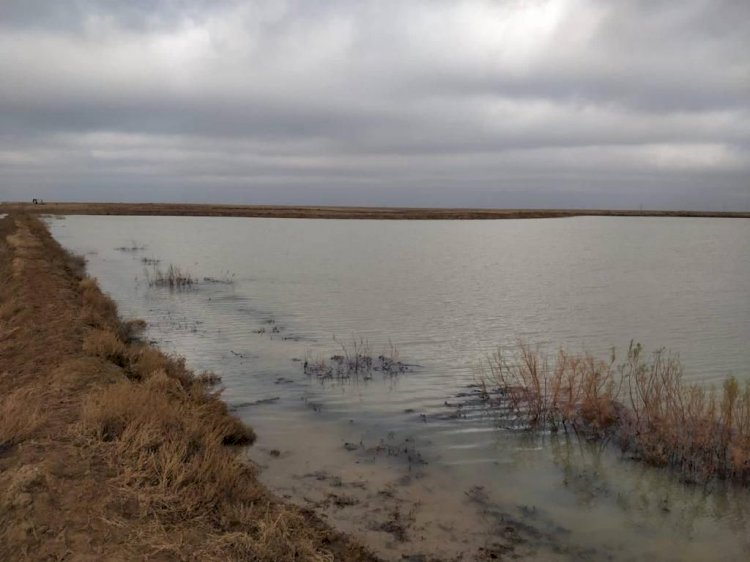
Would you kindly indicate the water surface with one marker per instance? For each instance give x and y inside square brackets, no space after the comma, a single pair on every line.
[446,293]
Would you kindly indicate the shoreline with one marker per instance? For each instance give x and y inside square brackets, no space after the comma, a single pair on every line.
[332,212]
[110,449]
[384,509]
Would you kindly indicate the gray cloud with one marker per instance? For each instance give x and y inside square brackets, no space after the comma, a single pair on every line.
[493,102]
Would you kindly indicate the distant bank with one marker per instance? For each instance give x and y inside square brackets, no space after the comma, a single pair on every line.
[383,213]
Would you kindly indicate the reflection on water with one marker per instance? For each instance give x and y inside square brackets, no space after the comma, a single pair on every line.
[406,461]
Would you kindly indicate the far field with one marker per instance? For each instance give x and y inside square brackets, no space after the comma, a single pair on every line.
[391,213]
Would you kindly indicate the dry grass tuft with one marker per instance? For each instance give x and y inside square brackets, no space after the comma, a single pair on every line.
[21,414]
[130,330]
[98,310]
[270,538]
[644,406]
[145,360]
[169,446]
[107,345]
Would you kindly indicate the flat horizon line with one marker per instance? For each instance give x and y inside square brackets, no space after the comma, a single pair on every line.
[339,212]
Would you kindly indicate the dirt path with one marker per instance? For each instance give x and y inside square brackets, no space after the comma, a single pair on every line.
[110,450]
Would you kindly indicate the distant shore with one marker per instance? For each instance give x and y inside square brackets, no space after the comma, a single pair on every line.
[325,212]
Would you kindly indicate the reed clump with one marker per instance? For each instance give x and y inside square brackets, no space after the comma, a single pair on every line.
[173,277]
[644,406]
[356,359]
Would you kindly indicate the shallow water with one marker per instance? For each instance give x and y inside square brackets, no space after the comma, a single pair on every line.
[446,294]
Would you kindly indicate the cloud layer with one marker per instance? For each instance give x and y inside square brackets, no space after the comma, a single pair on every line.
[461,103]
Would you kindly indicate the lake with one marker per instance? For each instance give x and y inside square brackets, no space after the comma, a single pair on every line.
[405,461]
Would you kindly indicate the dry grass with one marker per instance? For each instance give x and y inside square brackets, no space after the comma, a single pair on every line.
[172,443]
[97,309]
[168,445]
[110,449]
[166,434]
[21,414]
[644,406]
[107,345]
[130,330]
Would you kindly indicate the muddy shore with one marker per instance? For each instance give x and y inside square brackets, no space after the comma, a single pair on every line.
[111,450]
[326,212]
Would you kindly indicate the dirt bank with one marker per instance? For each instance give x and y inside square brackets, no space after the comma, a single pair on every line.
[110,450]
[383,213]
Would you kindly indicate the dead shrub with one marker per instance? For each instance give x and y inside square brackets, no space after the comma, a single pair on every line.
[570,392]
[645,407]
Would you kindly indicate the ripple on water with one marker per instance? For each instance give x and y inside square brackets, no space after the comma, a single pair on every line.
[447,294]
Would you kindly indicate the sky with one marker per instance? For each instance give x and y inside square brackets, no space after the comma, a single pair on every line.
[458,103]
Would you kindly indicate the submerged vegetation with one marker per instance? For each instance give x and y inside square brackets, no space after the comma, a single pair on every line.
[172,277]
[133,247]
[175,277]
[226,278]
[645,407]
[356,359]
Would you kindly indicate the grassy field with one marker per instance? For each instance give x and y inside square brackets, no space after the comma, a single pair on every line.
[111,450]
[384,213]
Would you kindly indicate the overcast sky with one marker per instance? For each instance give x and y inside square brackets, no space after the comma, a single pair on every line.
[503,103]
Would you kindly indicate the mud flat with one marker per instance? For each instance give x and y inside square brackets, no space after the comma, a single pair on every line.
[111,450]
[381,213]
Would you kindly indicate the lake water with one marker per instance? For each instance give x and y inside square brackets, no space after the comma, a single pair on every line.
[392,453]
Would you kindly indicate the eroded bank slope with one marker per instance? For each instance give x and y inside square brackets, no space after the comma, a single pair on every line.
[111,450]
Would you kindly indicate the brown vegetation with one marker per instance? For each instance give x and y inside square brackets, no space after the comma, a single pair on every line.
[111,450]
[644,406]
[20,417]
[277,211]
